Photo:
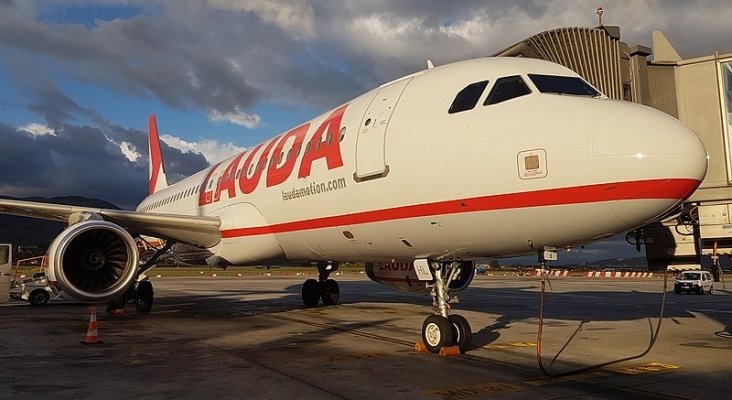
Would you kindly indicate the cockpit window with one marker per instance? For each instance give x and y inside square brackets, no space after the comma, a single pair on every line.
[467,98]
[563,85]
[507,88]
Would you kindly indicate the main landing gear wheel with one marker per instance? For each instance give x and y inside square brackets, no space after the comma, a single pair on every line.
[310,293]
[323,289]
[436,333]
[145,296]
[462,336]
[330,292]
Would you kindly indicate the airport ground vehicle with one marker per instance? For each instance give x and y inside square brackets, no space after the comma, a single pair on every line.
[36,291]
[694,282]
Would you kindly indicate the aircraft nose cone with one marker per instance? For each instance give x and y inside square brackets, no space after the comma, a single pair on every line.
[654,157]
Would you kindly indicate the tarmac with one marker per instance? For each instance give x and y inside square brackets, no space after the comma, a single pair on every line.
[250,338]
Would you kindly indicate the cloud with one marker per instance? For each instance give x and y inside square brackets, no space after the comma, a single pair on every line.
[212,150]
[237,117]
[85,161]
[129,151]
[36,129]
[228,55]
[294,17]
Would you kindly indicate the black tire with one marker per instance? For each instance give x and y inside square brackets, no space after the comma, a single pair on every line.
[462,336]
[677,291]
[701,290]
[38,297]
[331,292]
[436,333]
[311,293]
[711,289]
[145,297]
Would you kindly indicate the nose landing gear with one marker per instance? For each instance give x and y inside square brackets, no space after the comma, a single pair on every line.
[443,329]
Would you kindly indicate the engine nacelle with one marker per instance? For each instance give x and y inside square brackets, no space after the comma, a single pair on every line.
[93,261]
[400,275]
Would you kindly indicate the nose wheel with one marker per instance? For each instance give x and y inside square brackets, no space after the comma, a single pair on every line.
[323,289]
[436,333]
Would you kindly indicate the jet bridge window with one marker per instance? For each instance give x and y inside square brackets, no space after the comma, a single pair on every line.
[507,88]
[563,85]
[467,98]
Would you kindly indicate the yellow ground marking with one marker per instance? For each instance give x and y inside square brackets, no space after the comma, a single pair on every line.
[363,356]
[498,346]
[650,367]
[484,390]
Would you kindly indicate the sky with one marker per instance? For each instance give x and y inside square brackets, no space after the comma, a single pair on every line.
[79,77]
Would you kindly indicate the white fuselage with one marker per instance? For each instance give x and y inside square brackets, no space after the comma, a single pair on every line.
[393,175]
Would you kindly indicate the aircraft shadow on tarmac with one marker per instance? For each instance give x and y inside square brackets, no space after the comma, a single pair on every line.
[223,315]
[573,308]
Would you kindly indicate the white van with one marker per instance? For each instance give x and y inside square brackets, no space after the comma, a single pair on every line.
[696,281]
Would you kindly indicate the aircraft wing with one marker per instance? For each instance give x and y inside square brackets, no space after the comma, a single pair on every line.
[195,230]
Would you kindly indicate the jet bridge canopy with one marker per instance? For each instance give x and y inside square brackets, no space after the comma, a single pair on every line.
[594,53]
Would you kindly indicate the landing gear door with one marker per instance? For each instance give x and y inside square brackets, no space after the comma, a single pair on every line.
[370,144]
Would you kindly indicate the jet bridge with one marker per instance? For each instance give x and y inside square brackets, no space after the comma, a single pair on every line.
[697,91]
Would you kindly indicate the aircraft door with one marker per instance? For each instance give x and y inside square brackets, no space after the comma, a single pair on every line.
[370,144]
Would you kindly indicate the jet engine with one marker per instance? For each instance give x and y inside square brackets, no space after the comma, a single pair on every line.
[93,261]
[402,277]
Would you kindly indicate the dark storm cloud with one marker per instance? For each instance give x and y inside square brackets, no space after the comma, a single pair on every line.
[386,39]
[226,55]
[85,161]
[146,55]
[57,108]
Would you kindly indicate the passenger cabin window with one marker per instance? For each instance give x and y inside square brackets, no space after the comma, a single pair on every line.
[563,85]
[467,98]
[507,88]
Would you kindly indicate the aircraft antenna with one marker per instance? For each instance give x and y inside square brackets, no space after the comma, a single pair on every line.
[599,14]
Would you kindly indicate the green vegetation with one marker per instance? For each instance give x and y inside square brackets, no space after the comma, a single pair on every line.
[348,269]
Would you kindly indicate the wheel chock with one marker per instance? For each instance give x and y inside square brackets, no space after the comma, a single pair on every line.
[420,347]
[450,351]
[116,311]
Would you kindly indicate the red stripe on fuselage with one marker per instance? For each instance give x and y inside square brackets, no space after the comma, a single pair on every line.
[636,190]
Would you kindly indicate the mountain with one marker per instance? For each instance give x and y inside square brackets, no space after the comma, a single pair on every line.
[26,231]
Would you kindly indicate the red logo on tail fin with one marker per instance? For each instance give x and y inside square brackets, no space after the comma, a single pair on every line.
[157,170]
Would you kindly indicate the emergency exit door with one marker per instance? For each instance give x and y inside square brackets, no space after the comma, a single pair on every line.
[370,151]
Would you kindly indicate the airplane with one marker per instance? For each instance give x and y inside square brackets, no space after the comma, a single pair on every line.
[418,178]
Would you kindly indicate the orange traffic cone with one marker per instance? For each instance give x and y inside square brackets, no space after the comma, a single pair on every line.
[92,336]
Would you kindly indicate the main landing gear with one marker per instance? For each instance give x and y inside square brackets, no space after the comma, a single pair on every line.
[323,288]
[444,329]
[141,292]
